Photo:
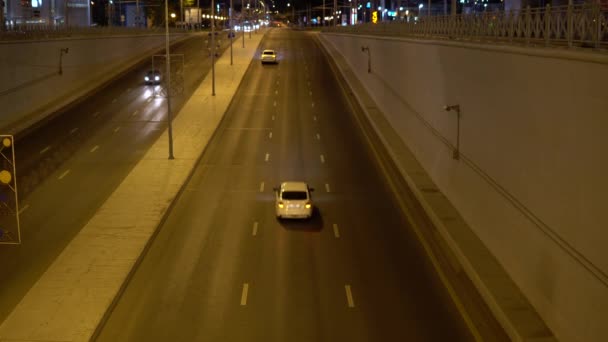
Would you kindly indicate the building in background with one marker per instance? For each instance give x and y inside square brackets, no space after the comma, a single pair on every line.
[47,12]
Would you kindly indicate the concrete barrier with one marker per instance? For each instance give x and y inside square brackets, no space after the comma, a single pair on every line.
[34,84]
[530,179]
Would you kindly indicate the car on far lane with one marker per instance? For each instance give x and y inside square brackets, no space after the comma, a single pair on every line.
[152,77]
[293,200]
[269,56]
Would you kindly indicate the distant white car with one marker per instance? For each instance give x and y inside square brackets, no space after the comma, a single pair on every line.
[292,200]
[269,56]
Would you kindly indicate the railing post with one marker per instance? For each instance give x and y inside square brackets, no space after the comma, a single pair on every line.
[570,25]
[528,25]
[547,18]
[598,30]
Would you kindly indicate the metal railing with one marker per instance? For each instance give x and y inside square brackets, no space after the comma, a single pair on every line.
[582,25]
[43,32]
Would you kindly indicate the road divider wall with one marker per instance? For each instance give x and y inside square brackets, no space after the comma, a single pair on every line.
[530,178]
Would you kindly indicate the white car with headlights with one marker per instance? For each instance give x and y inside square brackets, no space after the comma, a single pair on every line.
[269,56]
[292,200]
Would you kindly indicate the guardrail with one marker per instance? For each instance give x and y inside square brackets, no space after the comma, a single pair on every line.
[35,32]
[582,25]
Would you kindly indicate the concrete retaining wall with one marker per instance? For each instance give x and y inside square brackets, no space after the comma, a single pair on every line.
[531,178]
[30,84]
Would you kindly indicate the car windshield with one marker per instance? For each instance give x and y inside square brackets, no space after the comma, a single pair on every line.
[268,53]
[294,195]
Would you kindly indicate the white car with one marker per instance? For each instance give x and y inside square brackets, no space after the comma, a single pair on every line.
[269,56]
[292,200]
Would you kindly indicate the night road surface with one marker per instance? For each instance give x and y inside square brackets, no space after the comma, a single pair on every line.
[70,164]
[223,268]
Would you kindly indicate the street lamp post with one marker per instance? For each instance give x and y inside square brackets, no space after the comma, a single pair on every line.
[213,47]
[168,83]
[231,31]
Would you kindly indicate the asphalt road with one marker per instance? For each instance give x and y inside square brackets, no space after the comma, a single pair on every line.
[69,165]
[222,268]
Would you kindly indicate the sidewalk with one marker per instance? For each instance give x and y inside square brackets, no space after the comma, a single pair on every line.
[71,298]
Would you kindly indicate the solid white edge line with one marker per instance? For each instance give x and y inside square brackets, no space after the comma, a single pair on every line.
[45,149]
[336,231]
[327,187]
[267,157]
[262,187]
[255,229]
[349,296]
[244,294]
[322,159]
[65,173]
[24,208]
[94,148]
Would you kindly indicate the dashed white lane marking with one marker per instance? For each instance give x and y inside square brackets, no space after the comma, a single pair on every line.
[116,129]
[276,92]
[313,105]
[95,114]
[45,149]
[310,93]
[349,296]
[65,173]
[24,208]
[244,294]
[336,231]
[114,100]
[308,84]
[94,148]
[128,90]
[270,135]
[327,187]
[135,113]
[318,136]
[314,118]
[277,82]
[322,159]
[273,118]
[255,229]
[262,187]
[274,103]
[267,157]
[149,99]
[73,130]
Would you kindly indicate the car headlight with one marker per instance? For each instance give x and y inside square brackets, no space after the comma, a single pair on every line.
[157,78]
[281,205]
[308,205]
[146,78]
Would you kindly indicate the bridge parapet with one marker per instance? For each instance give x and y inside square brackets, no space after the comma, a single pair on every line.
[581,25]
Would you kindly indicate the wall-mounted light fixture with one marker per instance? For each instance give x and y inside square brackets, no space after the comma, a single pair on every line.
[456,108]
[62,52]
[369,58]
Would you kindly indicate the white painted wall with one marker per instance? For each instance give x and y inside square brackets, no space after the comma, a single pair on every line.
[31,87]
[536,125]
